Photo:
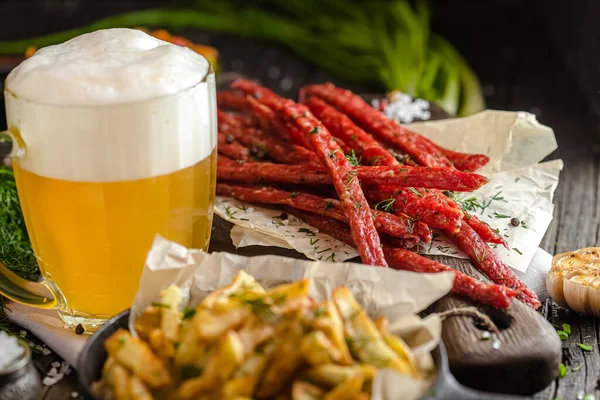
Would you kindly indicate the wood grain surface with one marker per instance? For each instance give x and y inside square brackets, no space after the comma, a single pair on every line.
[518,71]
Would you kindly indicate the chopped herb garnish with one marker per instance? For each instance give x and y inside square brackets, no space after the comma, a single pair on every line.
[524,225]
[276,222]
[562,370]
[566,328]
[240,161]
[307,231]
[470,204]
[386,205]
[352,159]
[259,305]
[332,153]
[244,219]
[354,137]
[328,206]
[189,371]
[480,257]
[585,347]
[331,257]
[562,335]
[161,305]
[375,160]
[496,215]
[319,312]
[230,213]
[293,195]
[577,368]
[517,250]
[189,312]
[315,130]
[323,251]
[313,241]
[350,177]
[415,191]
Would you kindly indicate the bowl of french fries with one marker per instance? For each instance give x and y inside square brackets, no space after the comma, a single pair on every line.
[261,337]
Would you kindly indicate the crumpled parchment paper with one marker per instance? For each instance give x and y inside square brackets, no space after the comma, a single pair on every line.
[397,295]
[520,187]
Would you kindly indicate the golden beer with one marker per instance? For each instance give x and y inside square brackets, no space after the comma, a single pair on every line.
[114,141]
[91,238]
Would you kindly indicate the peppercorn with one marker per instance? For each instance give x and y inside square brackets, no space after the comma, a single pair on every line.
[515,221]
[229,139]
[79,329]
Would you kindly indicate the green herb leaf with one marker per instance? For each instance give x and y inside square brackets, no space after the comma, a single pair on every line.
[562,335]
[293,195]
[585,347]
[189,371]
[562,370]
[386,205]
[415,191]
[315,130]
[352,159]
[496,215]
[566,328]
[577,368]
[189,313]
[307,231]
[160,305]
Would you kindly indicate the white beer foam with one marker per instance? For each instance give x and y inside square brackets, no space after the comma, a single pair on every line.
[131,129]
[107,67]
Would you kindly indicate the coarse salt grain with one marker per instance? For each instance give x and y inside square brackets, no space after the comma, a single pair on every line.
[402,108]
[56,373]
[11,350]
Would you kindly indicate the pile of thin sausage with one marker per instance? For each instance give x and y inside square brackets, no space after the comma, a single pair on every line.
[345,168]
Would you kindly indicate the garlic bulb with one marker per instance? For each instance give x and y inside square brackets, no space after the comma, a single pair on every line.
[574,280]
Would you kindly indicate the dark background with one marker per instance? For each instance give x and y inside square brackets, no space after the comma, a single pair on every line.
[540,56]
[497,38]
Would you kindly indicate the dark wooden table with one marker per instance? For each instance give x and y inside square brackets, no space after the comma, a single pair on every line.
[518,70]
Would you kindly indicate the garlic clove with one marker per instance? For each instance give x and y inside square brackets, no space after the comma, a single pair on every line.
[574,280]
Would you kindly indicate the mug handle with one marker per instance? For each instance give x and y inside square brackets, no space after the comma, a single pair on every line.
[42,294]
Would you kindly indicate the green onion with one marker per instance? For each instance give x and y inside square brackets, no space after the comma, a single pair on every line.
[585,347]
[563,335]
[566,328]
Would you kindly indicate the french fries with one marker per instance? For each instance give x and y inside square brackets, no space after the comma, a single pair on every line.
[243,342]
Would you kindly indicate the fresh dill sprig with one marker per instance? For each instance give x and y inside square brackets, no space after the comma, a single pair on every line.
[15,249]
[386,205]
[353,159]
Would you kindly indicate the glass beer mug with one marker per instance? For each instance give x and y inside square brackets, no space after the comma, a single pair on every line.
[98,179]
